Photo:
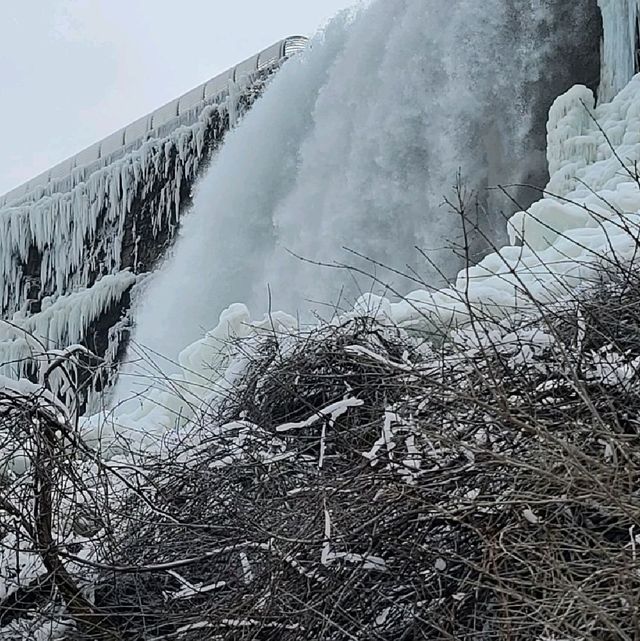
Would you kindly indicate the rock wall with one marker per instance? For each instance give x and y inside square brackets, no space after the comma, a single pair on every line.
[573,59]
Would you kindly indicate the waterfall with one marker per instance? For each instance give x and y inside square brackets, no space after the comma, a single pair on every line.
[357,143]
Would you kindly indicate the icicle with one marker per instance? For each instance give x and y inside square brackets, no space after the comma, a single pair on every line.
[64,226]
[61,322]
[620,23]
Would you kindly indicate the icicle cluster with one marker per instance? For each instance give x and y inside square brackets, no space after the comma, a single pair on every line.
[61,247]
[63,228]
[62,322]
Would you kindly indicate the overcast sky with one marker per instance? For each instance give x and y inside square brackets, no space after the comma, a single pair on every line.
[73,71]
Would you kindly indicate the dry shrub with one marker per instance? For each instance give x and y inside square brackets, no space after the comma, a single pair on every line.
[358,484]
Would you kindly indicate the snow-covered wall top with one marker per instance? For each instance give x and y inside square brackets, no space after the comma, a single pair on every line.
[184,110]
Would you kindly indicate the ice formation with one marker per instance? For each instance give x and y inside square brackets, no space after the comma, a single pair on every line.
[63,321]
[588,214]
[62,226]
[77,236]
[66,246]
[620,45]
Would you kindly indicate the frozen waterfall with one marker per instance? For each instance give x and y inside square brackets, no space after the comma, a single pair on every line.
[357,143]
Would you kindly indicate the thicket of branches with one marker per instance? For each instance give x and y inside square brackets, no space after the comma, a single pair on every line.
[359,483]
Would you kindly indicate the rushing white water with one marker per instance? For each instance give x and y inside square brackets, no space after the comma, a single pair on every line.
[356,144]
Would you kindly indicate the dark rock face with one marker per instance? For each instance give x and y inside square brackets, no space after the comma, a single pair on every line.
[573,58]
[564,41]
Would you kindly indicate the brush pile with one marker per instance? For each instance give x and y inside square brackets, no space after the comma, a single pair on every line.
[359,483]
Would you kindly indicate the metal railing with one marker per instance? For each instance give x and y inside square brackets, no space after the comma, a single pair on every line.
[143,128]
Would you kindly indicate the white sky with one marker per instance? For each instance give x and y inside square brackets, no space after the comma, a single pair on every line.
[73,71]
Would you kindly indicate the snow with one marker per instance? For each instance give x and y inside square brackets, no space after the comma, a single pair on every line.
[530,516]
[77,223]
[332,412]
[300,169]
[190,590]
[63,226]
[589,214]
[148,405]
